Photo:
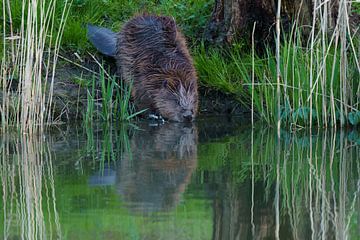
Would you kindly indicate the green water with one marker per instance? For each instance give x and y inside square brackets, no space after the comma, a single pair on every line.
[216,179]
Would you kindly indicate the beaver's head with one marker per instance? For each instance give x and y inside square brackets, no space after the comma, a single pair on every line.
[177,100]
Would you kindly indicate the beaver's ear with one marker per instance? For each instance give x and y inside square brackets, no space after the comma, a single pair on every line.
[165,84]
[103,39]
[169,27]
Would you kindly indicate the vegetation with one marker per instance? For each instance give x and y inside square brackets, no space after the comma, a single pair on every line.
[30,47]
[111,102]
[313,81]
[22,102]
[192,17]
[233,74]
[310,178]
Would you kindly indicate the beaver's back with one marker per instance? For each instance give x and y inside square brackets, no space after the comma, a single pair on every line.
[151,41]
[148,47]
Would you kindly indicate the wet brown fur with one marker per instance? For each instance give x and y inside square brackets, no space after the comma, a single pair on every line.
[152,54]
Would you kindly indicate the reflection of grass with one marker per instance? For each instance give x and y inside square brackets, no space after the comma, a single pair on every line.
[317,175]
[109,143]
[317,170]
[91,212]
[234,153]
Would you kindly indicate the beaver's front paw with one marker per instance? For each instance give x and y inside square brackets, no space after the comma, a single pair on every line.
[156,117]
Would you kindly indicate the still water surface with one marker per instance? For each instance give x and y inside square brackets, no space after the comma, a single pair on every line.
[216,179]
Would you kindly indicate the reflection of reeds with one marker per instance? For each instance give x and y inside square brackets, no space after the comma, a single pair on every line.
[305,185]
[108,143]
[29,203]
[29,56]
[320,179]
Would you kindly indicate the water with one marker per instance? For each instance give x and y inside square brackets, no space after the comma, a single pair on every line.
[216,179]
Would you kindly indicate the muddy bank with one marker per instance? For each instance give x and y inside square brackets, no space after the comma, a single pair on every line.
[72,83]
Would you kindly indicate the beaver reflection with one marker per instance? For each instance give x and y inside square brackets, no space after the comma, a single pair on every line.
[153,176]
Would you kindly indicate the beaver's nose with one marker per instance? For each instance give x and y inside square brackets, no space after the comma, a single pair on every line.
[187,117]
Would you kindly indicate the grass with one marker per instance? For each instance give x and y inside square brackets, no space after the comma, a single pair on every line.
[192,17]
[111,102]
[312,82]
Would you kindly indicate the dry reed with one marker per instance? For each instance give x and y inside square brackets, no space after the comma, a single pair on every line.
[29,60]
[328,97]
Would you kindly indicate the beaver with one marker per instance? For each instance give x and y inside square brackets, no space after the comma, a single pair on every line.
[151,53]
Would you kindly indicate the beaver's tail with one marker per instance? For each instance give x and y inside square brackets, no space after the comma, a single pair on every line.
[103,39]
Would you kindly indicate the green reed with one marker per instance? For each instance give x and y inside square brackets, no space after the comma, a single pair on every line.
[108,99]
[314,82]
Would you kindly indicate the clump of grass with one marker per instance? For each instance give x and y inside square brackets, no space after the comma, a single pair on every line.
[111,102]
[30,46]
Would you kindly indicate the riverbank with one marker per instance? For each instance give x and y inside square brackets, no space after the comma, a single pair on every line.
[314,82]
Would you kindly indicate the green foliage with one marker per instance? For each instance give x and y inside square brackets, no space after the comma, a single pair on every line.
[354,136]
[354,117]
[356,7]
[89,115]
[216,71]
[191,16]
[231,72]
